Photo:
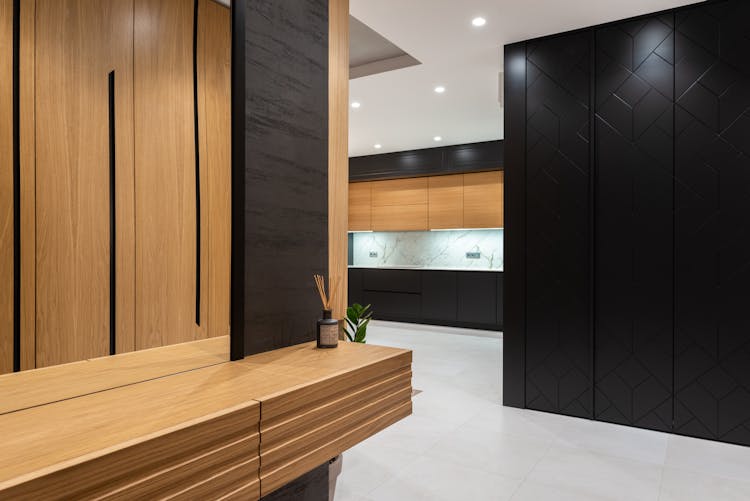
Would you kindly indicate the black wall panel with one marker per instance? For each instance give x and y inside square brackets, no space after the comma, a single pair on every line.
[628,240]
[285,169]
[713,221]
[558,360]
[634,222]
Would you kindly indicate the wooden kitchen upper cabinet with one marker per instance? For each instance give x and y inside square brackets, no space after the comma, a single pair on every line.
[483,199]
[400,205]
[446,201]
[360,206]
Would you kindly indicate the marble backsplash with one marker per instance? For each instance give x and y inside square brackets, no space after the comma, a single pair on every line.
[429,249]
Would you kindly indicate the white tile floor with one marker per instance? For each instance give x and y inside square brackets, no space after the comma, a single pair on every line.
[461,443]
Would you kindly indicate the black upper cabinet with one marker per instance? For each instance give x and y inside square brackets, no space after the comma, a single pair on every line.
[439,295]
[558,359]
[477,297]
[712,192]
[473,157]
[634,227]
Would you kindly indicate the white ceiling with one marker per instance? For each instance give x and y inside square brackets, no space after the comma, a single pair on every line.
[400,110]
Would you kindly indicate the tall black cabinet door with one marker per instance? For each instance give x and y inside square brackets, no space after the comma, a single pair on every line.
[558,357]
[713,221]
[634,222]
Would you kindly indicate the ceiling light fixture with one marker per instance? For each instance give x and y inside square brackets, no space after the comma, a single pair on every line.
[378,146]
[356,105]
[439,89]
[437,138]
[479,22]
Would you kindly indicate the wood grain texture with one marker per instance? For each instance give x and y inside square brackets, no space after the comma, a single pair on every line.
[411,191]
[215,126]
[165,173]
[483,199]
[52,384]
[446,201]
[303,427]
[27,69]
[338,149]
[360,206]
[197,434]
[7,154]
[400,218]
[77,44]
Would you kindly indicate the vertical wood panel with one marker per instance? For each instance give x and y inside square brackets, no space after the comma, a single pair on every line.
[165,173]
[483,199]
[360,206]
[77,45]
[338,148]
[215,122]
[7,155]
[28,184]
[446,201]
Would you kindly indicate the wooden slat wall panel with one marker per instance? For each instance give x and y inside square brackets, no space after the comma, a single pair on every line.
[27,125]
[77,44]
[303,428]
[215,121]
[165,173]
[338,150]
[7,154]
[446,201]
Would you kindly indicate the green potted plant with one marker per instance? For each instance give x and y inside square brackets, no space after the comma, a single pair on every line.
[357,319]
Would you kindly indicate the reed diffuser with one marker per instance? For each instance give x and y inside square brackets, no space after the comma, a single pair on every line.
[328,328]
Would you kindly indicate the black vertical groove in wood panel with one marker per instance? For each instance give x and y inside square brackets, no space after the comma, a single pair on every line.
[558,358]
[237,275]
[634,234]
[197,169]
[112,219]
[712,127]
[16,186]
[514,322]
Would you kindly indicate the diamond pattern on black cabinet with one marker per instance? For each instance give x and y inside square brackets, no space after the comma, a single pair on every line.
[713,221]
[634,223]
[557,247]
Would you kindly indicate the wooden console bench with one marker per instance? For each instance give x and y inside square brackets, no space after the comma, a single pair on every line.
[148,426]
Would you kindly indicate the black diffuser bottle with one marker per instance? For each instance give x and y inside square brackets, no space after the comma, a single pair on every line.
[328,328]
[328,331]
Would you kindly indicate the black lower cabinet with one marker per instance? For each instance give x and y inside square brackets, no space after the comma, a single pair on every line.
[451,298]
[440,296]
[477,298]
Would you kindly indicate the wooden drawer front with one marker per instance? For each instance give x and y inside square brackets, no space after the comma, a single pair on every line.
[483,200]
[360,206]
[412,191]
[306,427]
[206,460]
[446,205]
[400,218]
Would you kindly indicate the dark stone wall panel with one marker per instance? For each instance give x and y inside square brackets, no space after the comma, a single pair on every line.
[286,169]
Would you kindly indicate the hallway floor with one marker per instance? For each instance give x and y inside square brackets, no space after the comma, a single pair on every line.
[461,443]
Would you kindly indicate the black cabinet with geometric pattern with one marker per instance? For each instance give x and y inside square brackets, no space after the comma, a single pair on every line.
[629,205]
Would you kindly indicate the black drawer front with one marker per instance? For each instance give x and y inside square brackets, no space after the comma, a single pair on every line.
[394,305]
[392,281]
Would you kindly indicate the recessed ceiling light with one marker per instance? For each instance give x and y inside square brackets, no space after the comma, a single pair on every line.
[437,138]
[356,104]
[479,21]
[439,89]
[378,146]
